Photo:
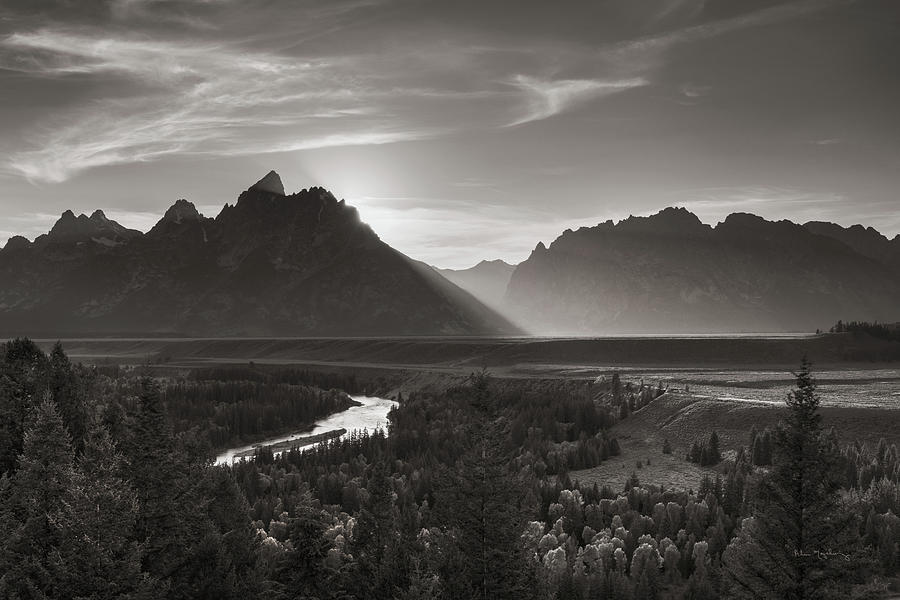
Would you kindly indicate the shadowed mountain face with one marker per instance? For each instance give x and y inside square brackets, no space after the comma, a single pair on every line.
[670,273]
[864,240]
[487,280]
[81,229]
[268,265]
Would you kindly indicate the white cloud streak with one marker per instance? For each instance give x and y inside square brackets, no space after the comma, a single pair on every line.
[547,98]
[208,99]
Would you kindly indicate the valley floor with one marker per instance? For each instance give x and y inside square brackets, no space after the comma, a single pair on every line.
[726,384]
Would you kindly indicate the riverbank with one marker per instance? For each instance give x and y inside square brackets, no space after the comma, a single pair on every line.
[369,413]
[286,445]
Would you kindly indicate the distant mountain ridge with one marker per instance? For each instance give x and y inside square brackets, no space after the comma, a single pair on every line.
[487,280]
[269,265]
[671,273]
[864,240]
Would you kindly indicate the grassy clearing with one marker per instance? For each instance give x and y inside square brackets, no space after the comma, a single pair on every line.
[641,438]
[681,418]
[667,470]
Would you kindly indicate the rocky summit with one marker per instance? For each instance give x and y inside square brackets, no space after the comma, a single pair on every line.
[269,265]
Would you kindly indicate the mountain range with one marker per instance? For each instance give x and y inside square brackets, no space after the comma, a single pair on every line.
[304,264]
[269,265]
[671,273]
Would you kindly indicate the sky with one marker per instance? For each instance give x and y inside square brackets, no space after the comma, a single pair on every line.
[462,130]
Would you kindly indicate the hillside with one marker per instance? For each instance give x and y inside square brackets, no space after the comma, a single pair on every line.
[864,240]
[270,264]
[671,273]
[487,280]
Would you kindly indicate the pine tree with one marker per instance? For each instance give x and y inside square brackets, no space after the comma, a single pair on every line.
[23,383]
[484,506]
[632,482]
[13,409]
[767,447]
[175,535]
[67,390]
[756,451]
[301,573]
[715,454]
[797,543]
[615,386]
[98,556]
[28,535]
[696,452]
[376,545]
[230,540]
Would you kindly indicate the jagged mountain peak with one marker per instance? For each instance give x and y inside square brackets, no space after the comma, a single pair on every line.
[16,241]
[69,225]
[98,227]
[270,183]
[668,220]
[182,211]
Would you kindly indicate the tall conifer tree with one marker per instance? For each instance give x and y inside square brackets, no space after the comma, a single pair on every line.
[28,534]
[98,556]
[800,542]
[484,505]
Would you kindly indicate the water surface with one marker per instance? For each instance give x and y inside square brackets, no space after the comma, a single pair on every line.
[370,415]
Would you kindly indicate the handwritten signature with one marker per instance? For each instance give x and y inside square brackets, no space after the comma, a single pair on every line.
[821,554]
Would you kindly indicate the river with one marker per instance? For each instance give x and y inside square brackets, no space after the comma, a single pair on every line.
[370,414]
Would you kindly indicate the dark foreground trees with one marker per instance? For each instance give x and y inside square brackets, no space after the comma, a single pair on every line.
[801,542]
[67,526]
[474,494]
[485,509]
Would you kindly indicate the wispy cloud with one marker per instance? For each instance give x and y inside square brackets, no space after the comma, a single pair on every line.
[642,54]
[633,63]
[766,16]
[152,93]
[690,90]
[202,99]
[546,98]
